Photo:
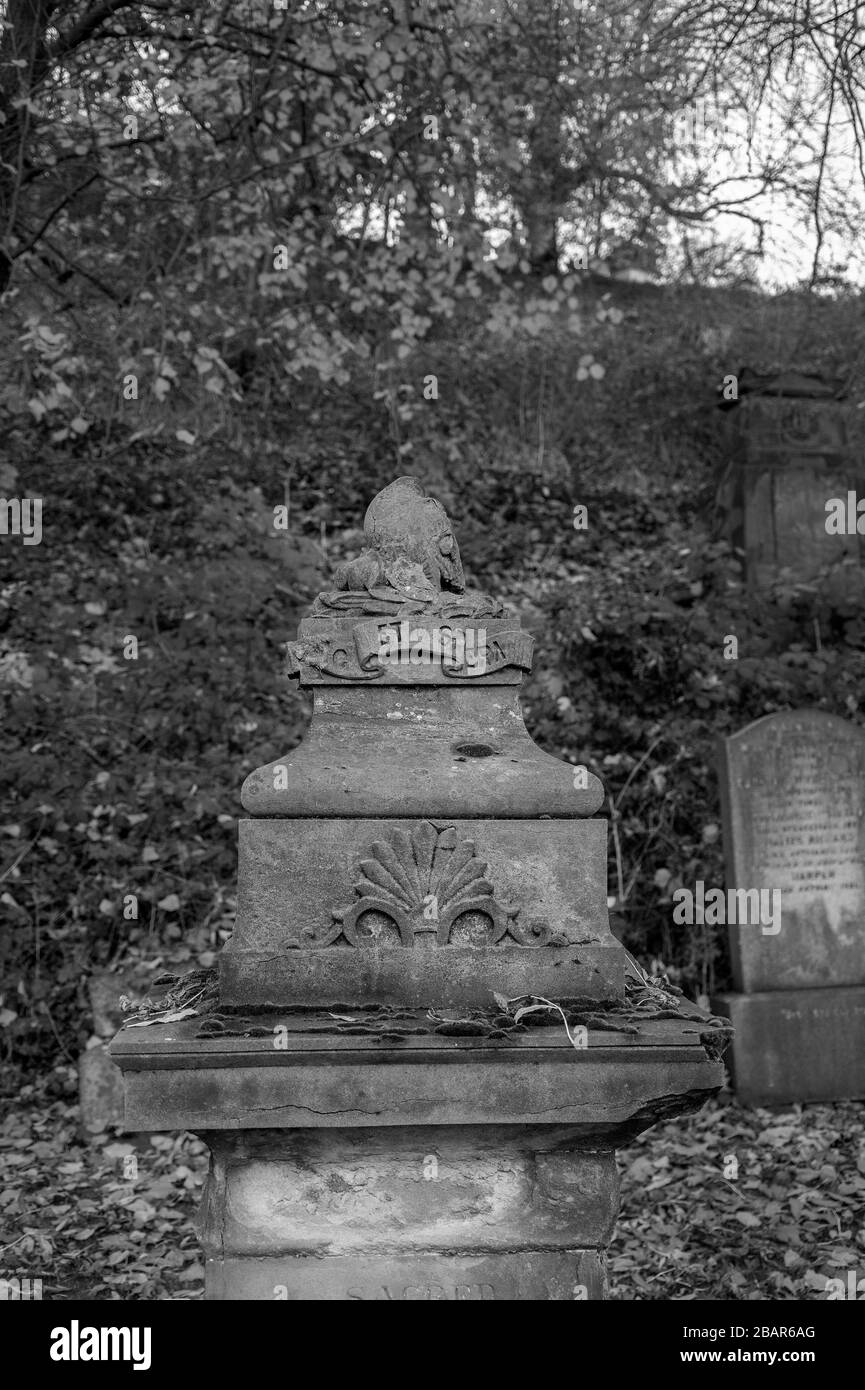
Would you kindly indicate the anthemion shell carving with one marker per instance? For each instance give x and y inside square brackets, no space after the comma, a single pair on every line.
[427,888]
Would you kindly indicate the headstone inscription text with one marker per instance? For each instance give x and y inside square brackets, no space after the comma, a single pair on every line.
[795,821]
[808,844]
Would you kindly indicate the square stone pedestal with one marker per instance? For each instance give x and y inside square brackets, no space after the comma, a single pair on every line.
[368,1166]
[417,853]
[797,1045]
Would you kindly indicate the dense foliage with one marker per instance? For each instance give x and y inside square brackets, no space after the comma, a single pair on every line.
[257,255]
[122,777]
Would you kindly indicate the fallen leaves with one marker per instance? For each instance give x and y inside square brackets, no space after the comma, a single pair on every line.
[791,1218]
[110,1219]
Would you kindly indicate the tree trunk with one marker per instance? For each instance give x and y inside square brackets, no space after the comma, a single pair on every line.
[542,201]
[23,42]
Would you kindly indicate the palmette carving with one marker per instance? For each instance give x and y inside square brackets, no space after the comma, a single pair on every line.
[427,888]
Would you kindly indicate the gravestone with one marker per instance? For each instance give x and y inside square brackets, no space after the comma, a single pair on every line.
[794,446]
[381,1127]
[100,1085]
[793,801]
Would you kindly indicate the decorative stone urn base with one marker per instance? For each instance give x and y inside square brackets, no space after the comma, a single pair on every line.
[346,1167]
[382,1122]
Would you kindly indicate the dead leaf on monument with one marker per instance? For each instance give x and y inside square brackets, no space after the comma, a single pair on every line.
[174,1017]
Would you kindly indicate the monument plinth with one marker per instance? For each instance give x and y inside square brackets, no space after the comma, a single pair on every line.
[382,1123]
[793,799]
[793,444]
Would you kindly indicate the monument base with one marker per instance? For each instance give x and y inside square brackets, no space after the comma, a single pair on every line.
[451,1213]
[350,1166]
[797,1045]
[538,1275]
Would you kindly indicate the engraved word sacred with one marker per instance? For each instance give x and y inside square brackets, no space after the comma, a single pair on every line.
[459,648]
[436,1292]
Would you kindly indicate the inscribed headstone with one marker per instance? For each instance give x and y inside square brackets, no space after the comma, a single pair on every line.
[793,793]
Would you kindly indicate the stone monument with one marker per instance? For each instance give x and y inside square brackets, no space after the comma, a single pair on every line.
[383,1122]
[793,800]
[793,445]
